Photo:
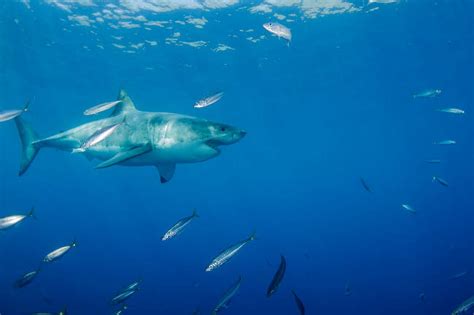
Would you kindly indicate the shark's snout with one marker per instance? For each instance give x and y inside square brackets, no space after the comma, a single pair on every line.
[240,134]
[237,135]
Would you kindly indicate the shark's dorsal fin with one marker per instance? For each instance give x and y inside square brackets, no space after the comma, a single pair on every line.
[126,155]
[125,106]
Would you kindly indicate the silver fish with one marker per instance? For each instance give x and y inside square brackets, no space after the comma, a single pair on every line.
[132,286]
[446,142]
[179,226]
[422,296]
[299,303]
[440,180]
[347,290]
[209,100]
[9,114]
[279,30]
[365,185]
[408,208]
[464,307]
[277,278]
[452,110]
[224,301]
[58,253]
[458,275]
[26,279]
[121,297]
[11,221]
[383,1]
[121,310]
[228,253]
[101,107]
[428,93]
[97,137]
[63,312]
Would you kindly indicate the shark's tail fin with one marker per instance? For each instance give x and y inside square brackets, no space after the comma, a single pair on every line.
[28,149]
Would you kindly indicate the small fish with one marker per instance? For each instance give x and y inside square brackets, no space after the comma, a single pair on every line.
[279,30]
[383,1]
[422,296]
[131,287]
[299,303]
[365,185]
[408,208]
[9,114]
[347,290]
[228,253]
[26,279]
[179,226]
[456,111]
[97,137]
[11,221]
[428,93]
[433,161]
[58,253]
[63,312]
[208,100]
[440,180]
[458,275]
[100,108]
[121,297]
[224,301]
[446,142]
[464,307]
[278,277]
[121,310]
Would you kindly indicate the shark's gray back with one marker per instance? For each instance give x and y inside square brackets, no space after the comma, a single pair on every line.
[138,128]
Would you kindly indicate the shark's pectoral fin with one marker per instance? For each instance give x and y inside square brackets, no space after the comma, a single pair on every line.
[126,155]
[166,171]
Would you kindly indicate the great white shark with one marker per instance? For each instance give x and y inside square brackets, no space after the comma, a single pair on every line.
[142,139]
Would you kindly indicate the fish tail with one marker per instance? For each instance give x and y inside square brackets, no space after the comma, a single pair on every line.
[32,213]
[253,236]
[29,148]
[27,105]
[195,214]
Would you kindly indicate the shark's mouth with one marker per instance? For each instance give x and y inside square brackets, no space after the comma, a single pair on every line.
[214,143]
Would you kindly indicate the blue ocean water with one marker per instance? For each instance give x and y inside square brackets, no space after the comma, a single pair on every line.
[331,107]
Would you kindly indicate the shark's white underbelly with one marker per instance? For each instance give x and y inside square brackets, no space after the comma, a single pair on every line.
[181,153]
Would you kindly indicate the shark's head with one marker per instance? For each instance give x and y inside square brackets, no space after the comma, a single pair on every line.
[221,134]
[187,139]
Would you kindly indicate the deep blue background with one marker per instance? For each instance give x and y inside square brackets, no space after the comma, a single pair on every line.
[334,106]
